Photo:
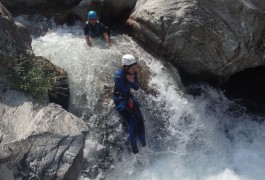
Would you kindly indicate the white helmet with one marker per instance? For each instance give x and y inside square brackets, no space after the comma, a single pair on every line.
[128,60]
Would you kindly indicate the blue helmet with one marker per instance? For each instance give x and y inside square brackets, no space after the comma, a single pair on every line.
[92,15]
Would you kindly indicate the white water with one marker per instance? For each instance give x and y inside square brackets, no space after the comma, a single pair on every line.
[205,137]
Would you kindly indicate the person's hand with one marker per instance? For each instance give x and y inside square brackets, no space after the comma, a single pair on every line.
[130,78]
[108,44]
[88,41]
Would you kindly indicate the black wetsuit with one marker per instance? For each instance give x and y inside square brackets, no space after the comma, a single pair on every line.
[95,31]
[128,107]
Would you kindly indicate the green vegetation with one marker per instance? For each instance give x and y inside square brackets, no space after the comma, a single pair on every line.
[31,77]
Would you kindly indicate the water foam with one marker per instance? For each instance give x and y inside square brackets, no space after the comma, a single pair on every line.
[189,137]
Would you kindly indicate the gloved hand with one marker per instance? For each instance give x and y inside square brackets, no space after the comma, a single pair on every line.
[121,106]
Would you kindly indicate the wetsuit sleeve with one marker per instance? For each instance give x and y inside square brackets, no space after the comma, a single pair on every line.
[104,29]
[122,85]
[86,30]
[135,85]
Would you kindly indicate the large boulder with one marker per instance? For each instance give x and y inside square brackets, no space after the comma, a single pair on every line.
[207,39]
[60,92]
[38,140]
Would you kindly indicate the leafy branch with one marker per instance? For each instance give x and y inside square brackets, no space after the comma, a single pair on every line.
[31,76]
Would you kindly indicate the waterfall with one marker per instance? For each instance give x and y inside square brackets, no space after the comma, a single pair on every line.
[189,137]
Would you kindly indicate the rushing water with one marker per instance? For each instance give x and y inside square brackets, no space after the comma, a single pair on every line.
[203,137]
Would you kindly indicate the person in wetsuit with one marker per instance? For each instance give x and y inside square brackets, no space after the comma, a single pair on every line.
[126,78]
[94,29]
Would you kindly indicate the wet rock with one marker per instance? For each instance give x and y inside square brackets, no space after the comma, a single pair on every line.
[205,39]
[60,92]
[39,139]
[14,39]
[16,43]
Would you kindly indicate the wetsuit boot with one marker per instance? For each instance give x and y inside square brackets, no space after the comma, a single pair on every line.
[134,148]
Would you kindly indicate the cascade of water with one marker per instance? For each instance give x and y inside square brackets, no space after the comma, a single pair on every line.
[188,137]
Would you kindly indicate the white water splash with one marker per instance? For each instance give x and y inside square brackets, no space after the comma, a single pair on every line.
[189,138]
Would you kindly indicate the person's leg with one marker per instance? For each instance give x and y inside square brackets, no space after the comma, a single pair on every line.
[140,123]
[141,131]
[133,134]
[129,116]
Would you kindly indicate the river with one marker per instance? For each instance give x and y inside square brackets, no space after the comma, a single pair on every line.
[189,137]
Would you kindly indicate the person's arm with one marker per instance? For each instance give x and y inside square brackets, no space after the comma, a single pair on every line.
[107,38]
[86,32]
[133,79]
[105,32]
[135,84]
[122,85]
[88,41]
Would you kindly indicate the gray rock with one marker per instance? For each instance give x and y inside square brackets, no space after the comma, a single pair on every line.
[209,39]
[6,173]
[39,140]
[13,40]
[16,42]
[23,30]
[258,3]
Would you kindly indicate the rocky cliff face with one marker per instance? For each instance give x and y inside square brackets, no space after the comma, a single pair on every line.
[39,140]
[15,42]
[14,37]
[208,39]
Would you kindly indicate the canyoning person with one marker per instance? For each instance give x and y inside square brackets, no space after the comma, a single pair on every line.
[126,78]
[94,29]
